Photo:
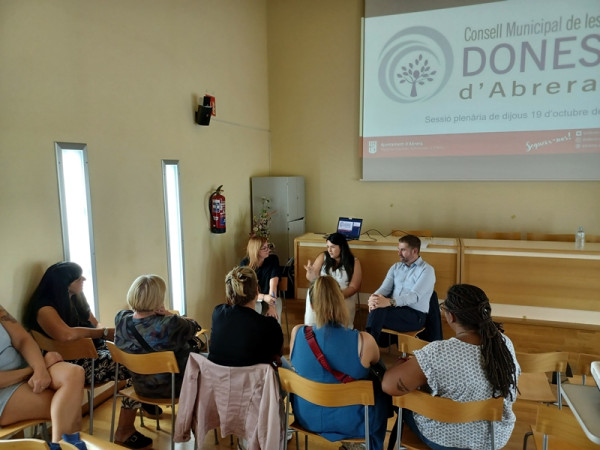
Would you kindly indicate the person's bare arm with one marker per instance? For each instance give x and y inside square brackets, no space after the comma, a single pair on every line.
[57,329]
[355,282]
[404,377]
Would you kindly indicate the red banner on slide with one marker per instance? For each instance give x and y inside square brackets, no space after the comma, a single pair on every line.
[484,144]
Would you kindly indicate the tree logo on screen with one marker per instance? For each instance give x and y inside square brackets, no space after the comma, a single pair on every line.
[415,64]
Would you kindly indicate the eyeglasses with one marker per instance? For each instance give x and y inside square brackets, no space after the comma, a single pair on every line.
[265,247]
[443,307]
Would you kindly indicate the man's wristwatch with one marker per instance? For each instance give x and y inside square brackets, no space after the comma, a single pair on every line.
[392,302]
[105,332]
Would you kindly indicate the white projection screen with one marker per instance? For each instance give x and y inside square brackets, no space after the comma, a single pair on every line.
[506,90]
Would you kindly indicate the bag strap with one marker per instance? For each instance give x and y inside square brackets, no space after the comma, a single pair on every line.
[309,334]
[131,328]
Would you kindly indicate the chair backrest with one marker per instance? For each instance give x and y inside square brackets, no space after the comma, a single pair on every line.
[568,237]
[562,424]
[449,411]
[408,344]
[146,363]
[418,233]
[69,350]
[543,362]
[24,444]
[583,366]
[533,383]
[358,392]
[511,235]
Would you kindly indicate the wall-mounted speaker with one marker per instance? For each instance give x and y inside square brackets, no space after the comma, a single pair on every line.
[203,114]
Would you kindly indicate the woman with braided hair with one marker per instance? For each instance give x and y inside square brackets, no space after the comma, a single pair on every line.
[478,363]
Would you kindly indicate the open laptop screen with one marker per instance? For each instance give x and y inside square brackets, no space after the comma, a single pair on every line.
[349,227]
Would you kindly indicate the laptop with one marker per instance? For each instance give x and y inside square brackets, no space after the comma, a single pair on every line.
[349,227]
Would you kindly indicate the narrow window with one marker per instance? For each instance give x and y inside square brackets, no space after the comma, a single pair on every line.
[174,235]
[76,214]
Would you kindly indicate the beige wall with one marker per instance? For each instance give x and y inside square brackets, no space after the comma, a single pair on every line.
[123,77]
[314,57]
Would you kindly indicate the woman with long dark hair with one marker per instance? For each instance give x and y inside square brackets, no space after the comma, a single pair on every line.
[58,309]
[338,262]
[478,363]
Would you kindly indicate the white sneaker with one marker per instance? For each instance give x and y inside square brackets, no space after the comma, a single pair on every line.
[290,434]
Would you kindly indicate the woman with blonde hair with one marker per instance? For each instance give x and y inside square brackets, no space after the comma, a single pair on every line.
[240,336]
[266,265]
[346,350]
[149,327]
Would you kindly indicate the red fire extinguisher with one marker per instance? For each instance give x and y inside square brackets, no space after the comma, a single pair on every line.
[216,206]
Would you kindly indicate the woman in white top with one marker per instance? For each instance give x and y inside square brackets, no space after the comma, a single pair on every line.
[338,262]
[478,363]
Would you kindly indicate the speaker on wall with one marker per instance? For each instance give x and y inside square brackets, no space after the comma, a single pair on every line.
[203,115]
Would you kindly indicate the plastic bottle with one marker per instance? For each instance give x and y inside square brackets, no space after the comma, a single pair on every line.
[580,239]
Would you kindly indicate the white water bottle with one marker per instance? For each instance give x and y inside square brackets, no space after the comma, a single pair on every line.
[580,239]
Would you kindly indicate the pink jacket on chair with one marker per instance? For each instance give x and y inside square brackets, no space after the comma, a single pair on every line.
[244,401]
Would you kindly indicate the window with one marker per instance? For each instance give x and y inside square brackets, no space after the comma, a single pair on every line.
[174,235]
[76,213]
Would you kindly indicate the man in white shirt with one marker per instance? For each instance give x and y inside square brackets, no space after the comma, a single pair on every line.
[402,301]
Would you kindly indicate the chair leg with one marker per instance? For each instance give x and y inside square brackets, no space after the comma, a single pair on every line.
[529,433]
[216,437]
[285,312]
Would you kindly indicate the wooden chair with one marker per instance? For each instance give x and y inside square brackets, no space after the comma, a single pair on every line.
[418,233]
[445,410]
[144,364]
[559,428]
[7,431]
[71,350]
[568,237]
[533,384]
[332,395]
[583,367]
[512,235]
[26,444]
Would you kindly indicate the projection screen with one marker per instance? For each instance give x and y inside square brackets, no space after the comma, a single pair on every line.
[506,90]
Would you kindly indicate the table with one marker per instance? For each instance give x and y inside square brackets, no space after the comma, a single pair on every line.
[535,279]
[585,404]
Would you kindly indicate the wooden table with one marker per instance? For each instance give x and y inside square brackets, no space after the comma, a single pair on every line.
[536,279]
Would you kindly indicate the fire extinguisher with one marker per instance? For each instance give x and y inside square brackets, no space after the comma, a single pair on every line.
[216,207]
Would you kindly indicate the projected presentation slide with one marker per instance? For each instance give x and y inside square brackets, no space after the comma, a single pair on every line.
[504,90]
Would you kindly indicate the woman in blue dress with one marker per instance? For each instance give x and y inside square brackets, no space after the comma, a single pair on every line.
[346,350]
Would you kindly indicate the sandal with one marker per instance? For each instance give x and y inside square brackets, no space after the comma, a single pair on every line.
[137,441]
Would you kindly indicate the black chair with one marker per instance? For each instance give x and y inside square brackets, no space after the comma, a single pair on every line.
[433,321]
